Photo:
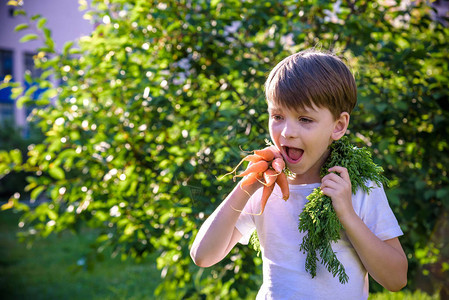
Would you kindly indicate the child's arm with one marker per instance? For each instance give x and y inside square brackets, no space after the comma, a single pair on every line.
[385,261]
[218,235]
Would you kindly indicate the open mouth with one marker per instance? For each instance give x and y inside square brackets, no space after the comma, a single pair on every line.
[293,155]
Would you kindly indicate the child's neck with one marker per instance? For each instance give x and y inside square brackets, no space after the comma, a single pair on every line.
[304,179]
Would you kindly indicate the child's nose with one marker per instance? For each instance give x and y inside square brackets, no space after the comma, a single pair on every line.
[289,131]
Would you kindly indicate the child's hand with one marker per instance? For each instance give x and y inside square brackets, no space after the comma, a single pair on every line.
[338,188]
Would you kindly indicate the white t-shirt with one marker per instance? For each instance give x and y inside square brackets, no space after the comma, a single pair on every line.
[284,274]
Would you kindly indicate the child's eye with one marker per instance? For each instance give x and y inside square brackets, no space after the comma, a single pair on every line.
[276,117]
[305,120]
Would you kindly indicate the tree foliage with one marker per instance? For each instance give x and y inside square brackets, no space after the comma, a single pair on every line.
[156,103]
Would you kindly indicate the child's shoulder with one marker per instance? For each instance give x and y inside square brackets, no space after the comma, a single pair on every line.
[372,198]
[370,188]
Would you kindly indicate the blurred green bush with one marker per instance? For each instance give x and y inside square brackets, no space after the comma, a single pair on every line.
[12,137]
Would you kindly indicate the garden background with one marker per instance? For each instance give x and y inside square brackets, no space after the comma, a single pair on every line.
[135,123]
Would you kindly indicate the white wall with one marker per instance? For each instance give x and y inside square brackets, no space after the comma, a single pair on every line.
[64,20]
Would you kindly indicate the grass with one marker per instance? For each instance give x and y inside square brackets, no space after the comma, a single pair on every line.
[53,269]
[406,295]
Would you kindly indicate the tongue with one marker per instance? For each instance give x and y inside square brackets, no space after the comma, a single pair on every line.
[294,153]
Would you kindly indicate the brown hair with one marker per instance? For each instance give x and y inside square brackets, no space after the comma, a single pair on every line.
[312,77]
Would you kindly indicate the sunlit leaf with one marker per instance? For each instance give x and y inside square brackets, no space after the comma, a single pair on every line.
[29,37]
[37,191]
[41,23]
[57,173]
[21,27]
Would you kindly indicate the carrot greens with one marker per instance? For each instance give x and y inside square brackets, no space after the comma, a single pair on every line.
[318,219]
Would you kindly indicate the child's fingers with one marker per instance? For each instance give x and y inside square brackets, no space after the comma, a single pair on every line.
[342,171]
[332,177]
[333,182]
[330,185]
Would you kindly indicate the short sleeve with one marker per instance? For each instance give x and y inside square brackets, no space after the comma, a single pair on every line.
[245,223]
[374,210]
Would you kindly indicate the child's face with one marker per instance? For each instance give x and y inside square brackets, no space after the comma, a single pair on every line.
[303,138]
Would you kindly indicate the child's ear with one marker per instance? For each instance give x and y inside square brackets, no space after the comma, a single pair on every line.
[341,124]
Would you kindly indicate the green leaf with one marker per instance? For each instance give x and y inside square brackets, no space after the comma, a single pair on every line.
[101,215]
[67,46]
[37,191]
[35,17]
[19,12]
[442,193]
[102,238]
[214,3]
[21,101]
[57,173]
[41,23]
[29,37]
[21,27]
[50,93]
[47,34]
[16,156]
[52,215]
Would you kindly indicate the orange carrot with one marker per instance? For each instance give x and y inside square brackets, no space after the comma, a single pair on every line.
[258,167]
[282,181]
[250,179]
[278,164]
[267,190]
[270,177]
[253,158]
[266,153]
[266,166]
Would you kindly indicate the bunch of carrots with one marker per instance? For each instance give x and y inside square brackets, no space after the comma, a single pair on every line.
[266,166]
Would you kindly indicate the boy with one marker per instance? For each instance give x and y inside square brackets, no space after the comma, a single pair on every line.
[310,96]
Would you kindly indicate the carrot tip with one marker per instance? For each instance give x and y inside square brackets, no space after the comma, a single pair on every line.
[246,151]
[233,171]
